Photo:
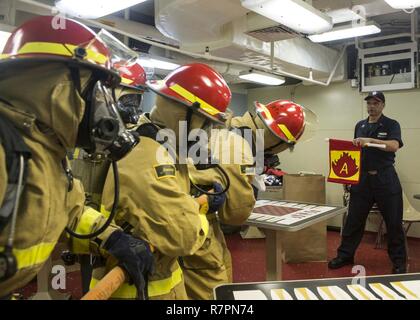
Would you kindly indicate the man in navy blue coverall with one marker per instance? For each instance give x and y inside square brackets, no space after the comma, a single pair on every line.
[379,184]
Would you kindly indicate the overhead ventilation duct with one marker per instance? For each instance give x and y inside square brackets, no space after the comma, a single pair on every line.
[193,21]
[274,33]
[200,26]
[268,30]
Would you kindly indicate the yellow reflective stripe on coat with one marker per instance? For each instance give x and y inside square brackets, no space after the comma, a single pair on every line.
[287,133]
[155,288]
[60,49]
[165,286]
[34,255]
[84,226]
[192,98]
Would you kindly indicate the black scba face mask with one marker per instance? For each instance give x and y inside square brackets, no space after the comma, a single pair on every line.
[129,107]
[102,130]
[271,160]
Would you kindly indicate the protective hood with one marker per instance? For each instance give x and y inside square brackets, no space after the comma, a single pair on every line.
[228,120]
[244,121]
[168,114]
[48,92]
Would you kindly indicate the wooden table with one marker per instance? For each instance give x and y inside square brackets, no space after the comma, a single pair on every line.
[392,287]
[276,217]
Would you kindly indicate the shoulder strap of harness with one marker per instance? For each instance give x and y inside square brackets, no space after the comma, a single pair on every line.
[148,130]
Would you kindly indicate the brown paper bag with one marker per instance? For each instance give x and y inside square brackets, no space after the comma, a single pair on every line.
[271,193]
[309,244]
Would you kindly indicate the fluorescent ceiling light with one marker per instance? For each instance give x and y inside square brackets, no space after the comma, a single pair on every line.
[347,32]
[158,64]
[344,15]
[3,39]
[262,78]
[403,4]
[92,9]
[294,14]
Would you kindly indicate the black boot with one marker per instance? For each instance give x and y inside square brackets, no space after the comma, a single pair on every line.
[339,262]
[399,269]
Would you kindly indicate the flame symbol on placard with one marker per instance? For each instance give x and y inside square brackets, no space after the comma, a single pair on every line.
[345,167]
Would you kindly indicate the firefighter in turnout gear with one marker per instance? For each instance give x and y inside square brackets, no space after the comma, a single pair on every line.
[155,201]
[211,265]
[283,123]
[55,95]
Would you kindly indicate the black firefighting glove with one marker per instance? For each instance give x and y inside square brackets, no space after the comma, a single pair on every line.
[134,256]
[216,201]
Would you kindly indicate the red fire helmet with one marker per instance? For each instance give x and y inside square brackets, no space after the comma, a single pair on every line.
[132,75]
[46,39]
[197,86]
[284,118]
